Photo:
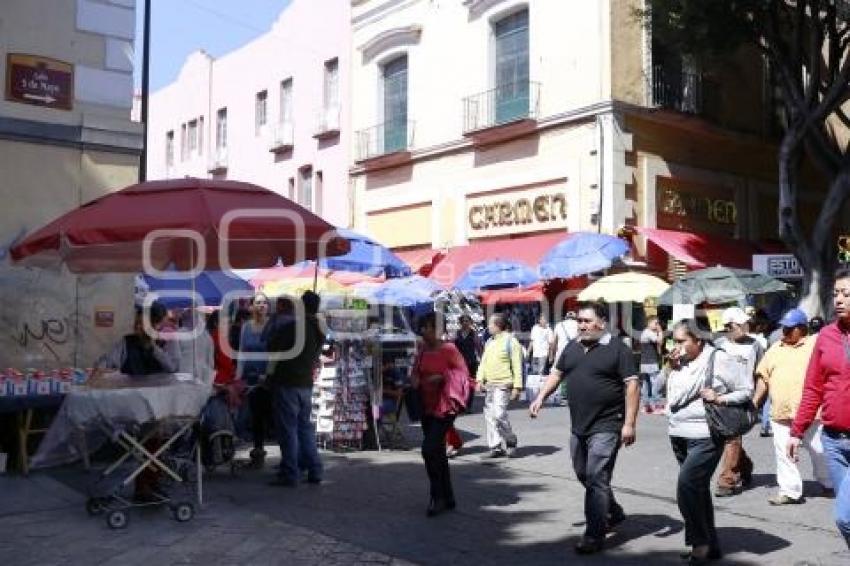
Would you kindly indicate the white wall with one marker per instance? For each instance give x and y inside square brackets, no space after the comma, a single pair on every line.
[307,34]
[453,59]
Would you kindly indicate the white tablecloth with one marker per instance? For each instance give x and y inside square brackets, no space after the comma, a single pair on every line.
[128,401]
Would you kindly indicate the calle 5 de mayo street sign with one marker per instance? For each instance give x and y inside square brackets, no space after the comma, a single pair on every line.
[40,81]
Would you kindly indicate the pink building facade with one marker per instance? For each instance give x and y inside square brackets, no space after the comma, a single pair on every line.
[273,112]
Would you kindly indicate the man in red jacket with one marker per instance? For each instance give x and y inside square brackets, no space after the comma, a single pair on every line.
[828,388]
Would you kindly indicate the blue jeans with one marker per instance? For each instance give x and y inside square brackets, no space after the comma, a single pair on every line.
[836,451]
[649,389]
[296,434]
[765,416]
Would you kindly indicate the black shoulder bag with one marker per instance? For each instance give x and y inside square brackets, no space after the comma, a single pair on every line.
[728,421]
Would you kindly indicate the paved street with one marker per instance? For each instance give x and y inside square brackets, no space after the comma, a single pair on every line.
[371,510]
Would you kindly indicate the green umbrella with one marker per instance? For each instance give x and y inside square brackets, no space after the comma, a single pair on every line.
[718,285]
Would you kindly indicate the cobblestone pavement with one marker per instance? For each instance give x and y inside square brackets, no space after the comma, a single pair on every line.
[370,510]
[222,533]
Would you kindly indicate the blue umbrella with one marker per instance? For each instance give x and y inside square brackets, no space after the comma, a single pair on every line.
[497,274]
[366,256]
[415,284]
[406,291]
[582,253]
[211,285]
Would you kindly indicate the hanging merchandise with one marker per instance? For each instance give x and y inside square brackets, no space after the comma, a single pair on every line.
[454,304]
[341,398]
[363,349]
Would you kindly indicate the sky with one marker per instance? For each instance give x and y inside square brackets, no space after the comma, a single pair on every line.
[179,27]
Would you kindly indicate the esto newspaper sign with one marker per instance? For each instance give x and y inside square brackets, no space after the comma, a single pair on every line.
[781,266]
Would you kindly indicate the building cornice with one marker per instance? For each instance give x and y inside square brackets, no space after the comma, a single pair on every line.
[572,117]
[390,39]
[127,140]
[478,7]
[379,11]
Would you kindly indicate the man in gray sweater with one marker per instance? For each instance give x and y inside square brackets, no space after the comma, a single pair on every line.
[736,469]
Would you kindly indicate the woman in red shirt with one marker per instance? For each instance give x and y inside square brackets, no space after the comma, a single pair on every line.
[827,387]
[439,374]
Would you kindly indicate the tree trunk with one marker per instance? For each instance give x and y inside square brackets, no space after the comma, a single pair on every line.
[825,246]
[817,286]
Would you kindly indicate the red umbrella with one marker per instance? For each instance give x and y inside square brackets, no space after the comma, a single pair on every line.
[185,222]
[308,269]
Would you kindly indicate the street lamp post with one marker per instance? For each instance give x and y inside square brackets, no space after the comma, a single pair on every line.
[146,64]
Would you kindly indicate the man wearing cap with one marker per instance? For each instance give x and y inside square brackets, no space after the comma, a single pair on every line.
[781,374]
[737,468]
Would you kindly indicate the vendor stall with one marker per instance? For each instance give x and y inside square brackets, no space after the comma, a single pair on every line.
[348,399]
[211,225]
[129,411]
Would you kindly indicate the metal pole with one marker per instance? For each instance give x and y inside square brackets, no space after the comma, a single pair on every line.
[146,68]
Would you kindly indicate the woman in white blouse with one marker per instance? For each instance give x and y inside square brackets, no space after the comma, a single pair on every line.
[695,448]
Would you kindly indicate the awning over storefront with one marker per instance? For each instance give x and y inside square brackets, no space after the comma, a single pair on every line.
[420,261]
[530,295]
[702,250]
[529,250]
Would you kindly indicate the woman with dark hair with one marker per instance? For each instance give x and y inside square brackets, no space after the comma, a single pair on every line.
[252,372]
[441,377]
[225,369]
[696,362]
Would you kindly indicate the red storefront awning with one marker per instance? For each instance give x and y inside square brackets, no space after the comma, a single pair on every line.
[702,250]
[421,260]
[457,261]
[528,295]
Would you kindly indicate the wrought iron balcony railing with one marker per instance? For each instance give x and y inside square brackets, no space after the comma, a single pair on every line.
[390,137]
[504,104]
[681,91]
[282,138]
[327,122]
[218,161]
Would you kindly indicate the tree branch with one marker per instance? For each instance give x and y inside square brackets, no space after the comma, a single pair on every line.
[815,54]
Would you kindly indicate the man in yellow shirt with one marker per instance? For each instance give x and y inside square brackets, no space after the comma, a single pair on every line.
[500,375]
[781,374]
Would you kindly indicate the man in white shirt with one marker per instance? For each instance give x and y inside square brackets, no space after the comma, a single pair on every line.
[542,339]
[565,332]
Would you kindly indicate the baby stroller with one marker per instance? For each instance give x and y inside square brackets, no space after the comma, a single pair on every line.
[171,460]
[217,434]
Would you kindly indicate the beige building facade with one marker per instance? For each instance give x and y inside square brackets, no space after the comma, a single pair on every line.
[65,138]
[487,119]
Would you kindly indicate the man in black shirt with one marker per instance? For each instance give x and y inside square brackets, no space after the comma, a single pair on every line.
[604,396]
[291,380]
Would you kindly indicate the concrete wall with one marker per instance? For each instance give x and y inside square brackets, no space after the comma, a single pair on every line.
[52,161]
[307,34]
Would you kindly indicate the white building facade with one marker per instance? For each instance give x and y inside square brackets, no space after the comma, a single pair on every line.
[480,119]
[271,113]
